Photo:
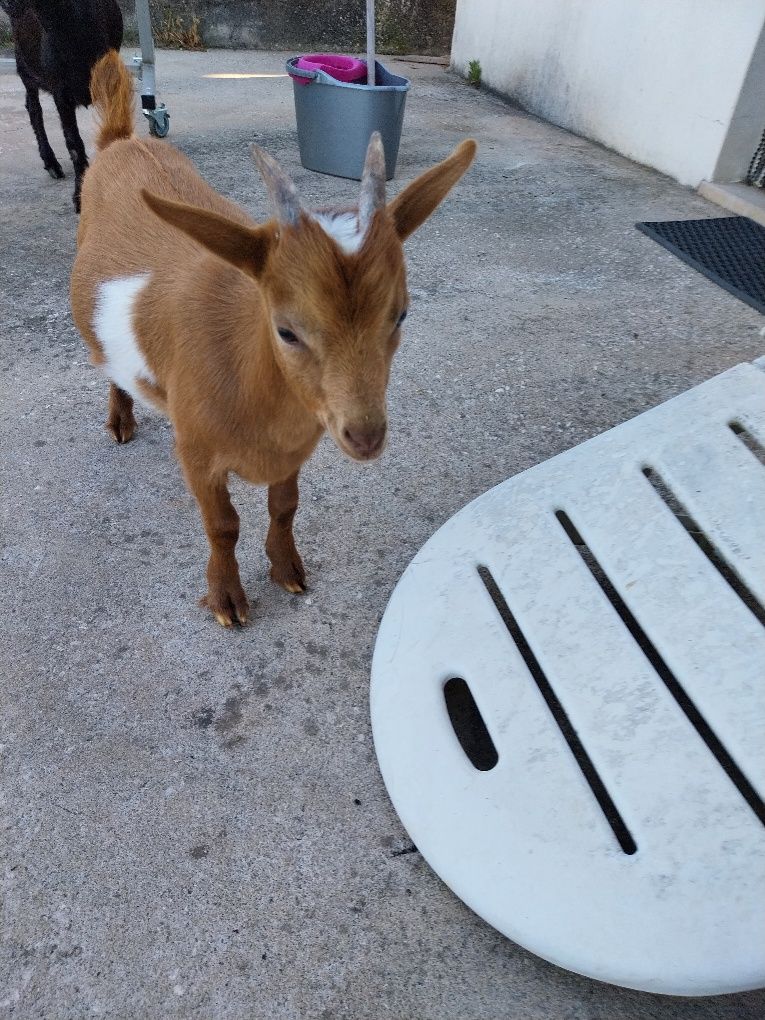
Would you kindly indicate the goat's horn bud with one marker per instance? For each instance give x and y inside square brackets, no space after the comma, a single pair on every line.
[284,196]
[372,195]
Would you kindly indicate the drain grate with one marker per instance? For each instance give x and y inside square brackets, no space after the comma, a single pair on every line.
[568,699]
[728,250]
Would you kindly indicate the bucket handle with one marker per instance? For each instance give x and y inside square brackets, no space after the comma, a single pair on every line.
[301,72]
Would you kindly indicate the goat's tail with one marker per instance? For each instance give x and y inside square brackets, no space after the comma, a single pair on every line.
[111,88]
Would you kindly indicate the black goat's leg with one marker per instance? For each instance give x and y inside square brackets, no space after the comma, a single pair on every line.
[47,155]
[66,111]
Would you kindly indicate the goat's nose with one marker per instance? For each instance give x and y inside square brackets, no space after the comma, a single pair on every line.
[366,440]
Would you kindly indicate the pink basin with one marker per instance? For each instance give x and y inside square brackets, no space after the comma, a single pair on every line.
[346,69]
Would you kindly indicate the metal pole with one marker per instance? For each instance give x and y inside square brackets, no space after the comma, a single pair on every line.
[371,42]
[146,39]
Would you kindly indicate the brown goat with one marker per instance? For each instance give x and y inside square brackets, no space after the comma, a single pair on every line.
[253,339]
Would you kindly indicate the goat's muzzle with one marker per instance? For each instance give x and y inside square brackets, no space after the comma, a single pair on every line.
[364,442]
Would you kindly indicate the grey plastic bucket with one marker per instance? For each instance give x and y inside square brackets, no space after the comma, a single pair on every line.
[336,118]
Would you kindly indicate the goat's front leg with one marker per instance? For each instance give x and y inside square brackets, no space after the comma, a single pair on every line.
[47,155]
[225,596]
[286,565]
[67,114]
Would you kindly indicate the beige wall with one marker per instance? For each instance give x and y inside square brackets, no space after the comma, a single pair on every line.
[675,84]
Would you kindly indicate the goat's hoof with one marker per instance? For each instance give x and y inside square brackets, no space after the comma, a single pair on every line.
[228,607]
[121,429]
[54,169]
[290,577]
[293,587]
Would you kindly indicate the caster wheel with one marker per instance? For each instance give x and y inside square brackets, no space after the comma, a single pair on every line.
[159,121]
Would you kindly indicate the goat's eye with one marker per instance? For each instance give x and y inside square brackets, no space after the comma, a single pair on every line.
[401,318]
[289,337]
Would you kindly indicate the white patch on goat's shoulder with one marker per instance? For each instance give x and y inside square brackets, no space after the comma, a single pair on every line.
[113,325]
[342,227]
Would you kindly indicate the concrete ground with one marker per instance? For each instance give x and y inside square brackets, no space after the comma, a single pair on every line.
[194,822]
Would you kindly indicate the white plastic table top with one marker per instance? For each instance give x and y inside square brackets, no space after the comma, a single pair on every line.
[666,700]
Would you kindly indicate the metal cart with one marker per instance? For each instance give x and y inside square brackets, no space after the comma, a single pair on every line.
[157,115]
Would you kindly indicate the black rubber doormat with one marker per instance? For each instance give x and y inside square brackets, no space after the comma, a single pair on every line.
[729,250]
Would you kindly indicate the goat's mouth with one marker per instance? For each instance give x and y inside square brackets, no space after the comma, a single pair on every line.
[360,445]
[367,455]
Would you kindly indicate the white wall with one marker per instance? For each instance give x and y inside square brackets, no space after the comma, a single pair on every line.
[676,84]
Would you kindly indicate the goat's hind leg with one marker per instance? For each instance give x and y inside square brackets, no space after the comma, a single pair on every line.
[47,155]
[286,566]
[74,143]
[121,422]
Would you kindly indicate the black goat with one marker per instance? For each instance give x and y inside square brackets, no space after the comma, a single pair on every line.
[57,43]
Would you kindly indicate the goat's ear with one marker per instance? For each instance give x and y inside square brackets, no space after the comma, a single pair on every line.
[412,206]
[244,247]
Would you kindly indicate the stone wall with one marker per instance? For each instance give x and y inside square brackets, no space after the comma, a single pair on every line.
[403,26]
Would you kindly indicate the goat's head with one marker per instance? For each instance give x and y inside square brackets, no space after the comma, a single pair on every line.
[334,284]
